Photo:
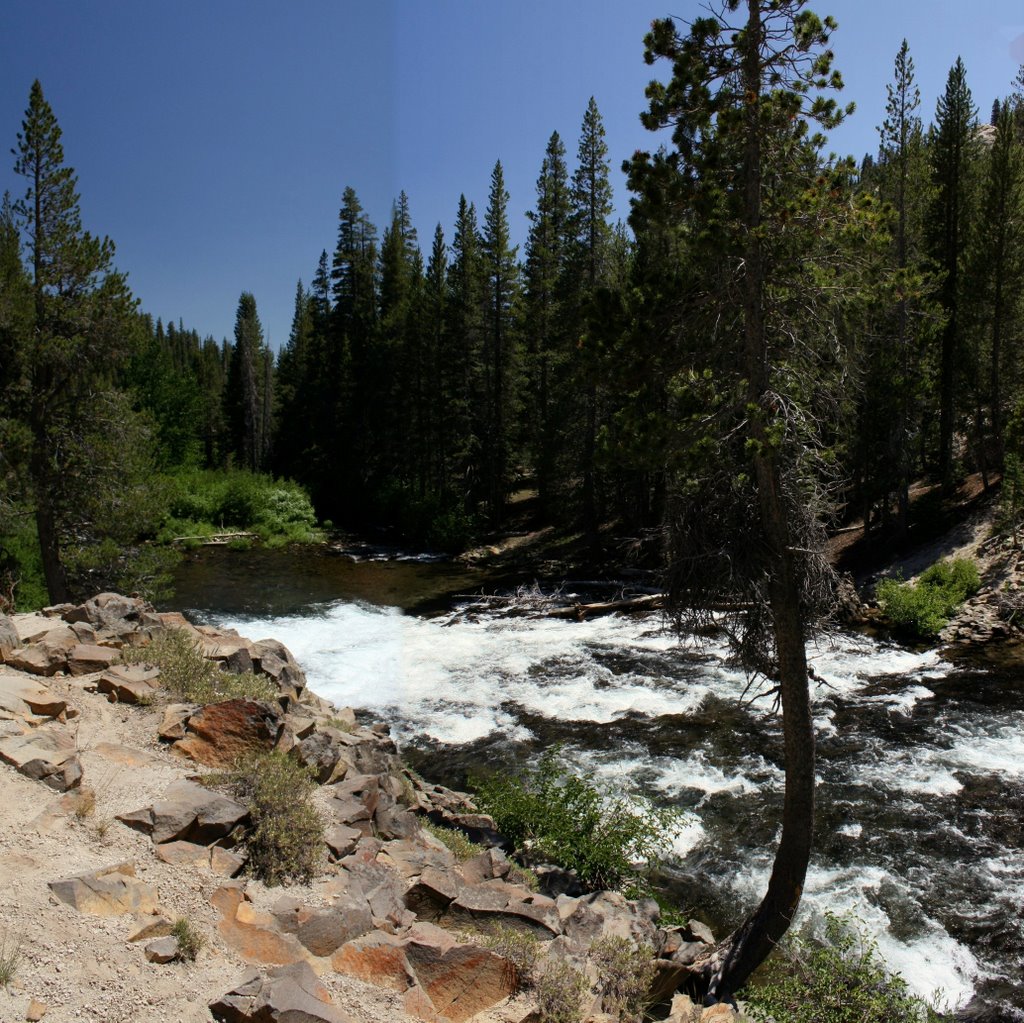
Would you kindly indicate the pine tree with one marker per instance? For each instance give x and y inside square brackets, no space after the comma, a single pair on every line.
[758,215]
[82,326]
[590,227]
[467,287]
[993,266]
[500,345]
[545,317]
[891,395]
[954,150]
[247,393]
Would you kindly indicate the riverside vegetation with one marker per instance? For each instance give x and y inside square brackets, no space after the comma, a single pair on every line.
[686,379]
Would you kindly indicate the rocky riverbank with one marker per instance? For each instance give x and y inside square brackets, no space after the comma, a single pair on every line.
[108,839]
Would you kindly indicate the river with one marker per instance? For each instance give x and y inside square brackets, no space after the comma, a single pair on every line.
[921,762]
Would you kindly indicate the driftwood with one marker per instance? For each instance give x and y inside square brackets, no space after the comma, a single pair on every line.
[533,603]
[216,538]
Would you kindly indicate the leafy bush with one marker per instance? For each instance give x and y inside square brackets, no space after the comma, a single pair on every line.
[624,972]
[838,980]
[187,675]
[205,502]
[925,607]
[553,814]
[287,834]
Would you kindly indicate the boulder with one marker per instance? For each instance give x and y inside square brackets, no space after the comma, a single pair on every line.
[173,725]
[31,628]
[162,950]
[430,897]
[341,840]
[86,658]
[460,980]
[38,660]
[324,754]
[220,861]
[187,811]
[9,638]
[482,906]
[129,683]
[289,994]
[220,733]
[111,613]
[25,697]
[608,914]
[254,935]
[274,659]
[112,891]
[48,754]
[323,930]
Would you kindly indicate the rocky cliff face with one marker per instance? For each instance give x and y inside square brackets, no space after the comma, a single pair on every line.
[109,840]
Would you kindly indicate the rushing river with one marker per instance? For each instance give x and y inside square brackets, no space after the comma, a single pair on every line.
[921,763]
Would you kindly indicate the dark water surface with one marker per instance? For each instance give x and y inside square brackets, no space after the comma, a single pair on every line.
[921,763]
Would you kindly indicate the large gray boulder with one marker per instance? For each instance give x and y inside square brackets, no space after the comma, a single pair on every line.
[187,812]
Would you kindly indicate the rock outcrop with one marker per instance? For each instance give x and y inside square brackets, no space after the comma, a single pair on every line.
[391,906]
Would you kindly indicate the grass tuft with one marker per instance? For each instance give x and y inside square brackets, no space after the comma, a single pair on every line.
[190,939]
[189,677]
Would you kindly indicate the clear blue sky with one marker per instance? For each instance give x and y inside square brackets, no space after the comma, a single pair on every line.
[213,139]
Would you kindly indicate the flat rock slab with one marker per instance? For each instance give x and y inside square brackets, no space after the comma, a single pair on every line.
[48,754]
[128,756]
[86,658]
[189,812]
[254,935]
[24,696]
[288,994]
[37,660]
[129,683]
[112,891]
[221,861]
[33,627]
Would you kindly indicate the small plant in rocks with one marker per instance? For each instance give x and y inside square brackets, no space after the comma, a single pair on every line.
[559,990]
[189,938]
[188,676]
[455,840]
[10,958]
[519,948]
[625,971]
[287,833]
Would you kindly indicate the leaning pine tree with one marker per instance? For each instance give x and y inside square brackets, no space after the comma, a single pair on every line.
[764,224]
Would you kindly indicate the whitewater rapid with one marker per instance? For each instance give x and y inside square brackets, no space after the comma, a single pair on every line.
[462,680]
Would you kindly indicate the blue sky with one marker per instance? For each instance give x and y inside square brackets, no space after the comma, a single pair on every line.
[213,139]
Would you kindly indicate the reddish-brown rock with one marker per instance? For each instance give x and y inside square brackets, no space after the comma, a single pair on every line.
[220,733]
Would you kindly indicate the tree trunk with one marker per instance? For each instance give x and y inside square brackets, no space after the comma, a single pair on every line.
[749,945]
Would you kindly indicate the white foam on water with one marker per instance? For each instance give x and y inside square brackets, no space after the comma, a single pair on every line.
[932,963]
[998,750]
[449,682]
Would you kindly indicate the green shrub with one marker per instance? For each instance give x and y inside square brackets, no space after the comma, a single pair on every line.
[559,991]
[520,948]
[624,972]
[838,980]
[189,937]
[206,502]
[923,609]
[553,814]
[188,676]
[455,840]
[287,835]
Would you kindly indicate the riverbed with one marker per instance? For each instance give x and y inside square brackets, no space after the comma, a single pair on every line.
[921,763]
